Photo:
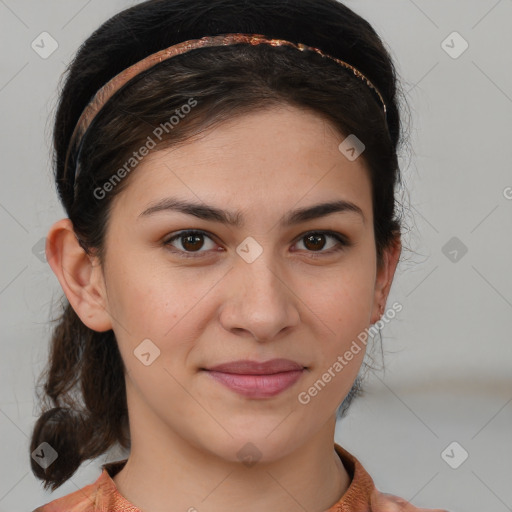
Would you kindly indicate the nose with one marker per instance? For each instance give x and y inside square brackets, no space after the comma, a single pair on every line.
[261,302]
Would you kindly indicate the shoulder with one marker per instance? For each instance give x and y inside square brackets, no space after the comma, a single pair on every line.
[382,502]
[362,494]
[86,499]
[100,496]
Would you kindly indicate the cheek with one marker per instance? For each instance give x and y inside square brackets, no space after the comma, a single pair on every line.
[343,303]
[341,345]
[345,295]
[163,305]
[145,296]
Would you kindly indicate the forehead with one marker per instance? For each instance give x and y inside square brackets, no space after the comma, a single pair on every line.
[277,158]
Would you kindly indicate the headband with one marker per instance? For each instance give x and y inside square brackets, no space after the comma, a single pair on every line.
[110,88]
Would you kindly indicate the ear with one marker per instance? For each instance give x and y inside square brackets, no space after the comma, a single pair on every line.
[80,276]
[385,274]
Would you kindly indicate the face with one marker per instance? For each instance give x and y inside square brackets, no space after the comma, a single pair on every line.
[274,285]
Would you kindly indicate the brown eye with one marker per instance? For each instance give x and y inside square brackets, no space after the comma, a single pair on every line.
[190,242]
[316,241]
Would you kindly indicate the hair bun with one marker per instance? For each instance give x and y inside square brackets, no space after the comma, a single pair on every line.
[55,447]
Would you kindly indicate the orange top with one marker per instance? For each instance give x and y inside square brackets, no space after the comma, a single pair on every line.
[361,496]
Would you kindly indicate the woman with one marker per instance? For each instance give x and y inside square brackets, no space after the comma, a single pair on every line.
[228,170]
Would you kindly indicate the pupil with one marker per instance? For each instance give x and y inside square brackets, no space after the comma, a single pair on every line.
[195,238]
[316,238]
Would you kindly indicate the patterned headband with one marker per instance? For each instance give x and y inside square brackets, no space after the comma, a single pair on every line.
[110,88]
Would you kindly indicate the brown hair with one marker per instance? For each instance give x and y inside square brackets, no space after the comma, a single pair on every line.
[84,396]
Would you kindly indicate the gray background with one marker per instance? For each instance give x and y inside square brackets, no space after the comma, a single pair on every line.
[448,353]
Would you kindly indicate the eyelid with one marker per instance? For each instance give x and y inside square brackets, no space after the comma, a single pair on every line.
[343,242]
[185,232]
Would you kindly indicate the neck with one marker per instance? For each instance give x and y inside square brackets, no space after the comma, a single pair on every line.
[166,472]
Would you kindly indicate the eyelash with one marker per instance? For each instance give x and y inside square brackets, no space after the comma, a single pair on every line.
[343,243]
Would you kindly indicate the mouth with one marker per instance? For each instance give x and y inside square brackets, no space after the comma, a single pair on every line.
[248,367]
[257,380]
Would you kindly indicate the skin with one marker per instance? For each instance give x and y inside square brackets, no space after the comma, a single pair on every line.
[186,428]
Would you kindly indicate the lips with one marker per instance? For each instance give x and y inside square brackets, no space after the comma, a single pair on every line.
[248,367]
[257,380]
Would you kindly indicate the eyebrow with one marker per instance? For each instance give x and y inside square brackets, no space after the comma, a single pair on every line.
[235,219]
